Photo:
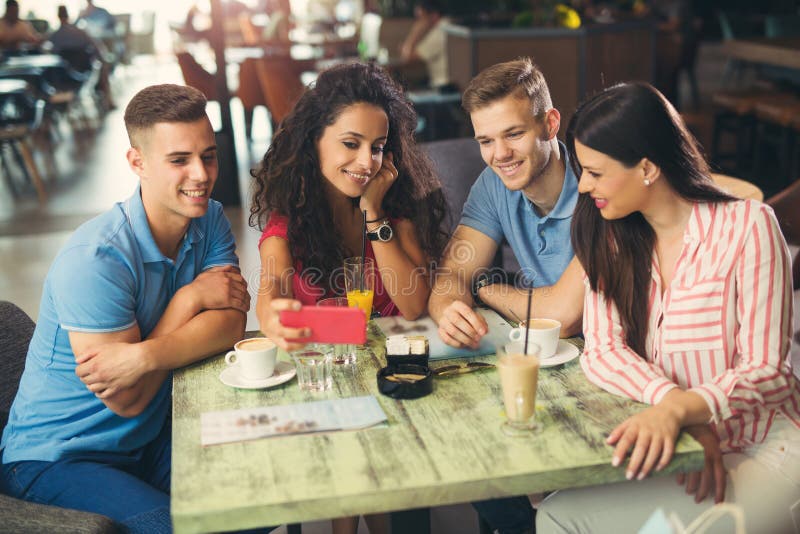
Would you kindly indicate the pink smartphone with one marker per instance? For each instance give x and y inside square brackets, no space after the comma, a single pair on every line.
[328,324]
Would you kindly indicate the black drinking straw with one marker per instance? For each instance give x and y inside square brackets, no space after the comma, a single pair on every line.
[363,249]
[528,320]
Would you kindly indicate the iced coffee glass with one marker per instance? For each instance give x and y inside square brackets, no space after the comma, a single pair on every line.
[519,377]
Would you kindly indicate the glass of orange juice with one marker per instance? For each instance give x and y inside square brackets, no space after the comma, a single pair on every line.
[359,282]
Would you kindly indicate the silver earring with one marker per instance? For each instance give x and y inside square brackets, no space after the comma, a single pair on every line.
[646,182]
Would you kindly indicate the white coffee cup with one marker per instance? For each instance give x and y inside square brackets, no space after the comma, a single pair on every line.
[255,358]
[542,332]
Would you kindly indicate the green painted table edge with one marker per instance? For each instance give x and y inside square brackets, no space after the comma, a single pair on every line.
[563,400]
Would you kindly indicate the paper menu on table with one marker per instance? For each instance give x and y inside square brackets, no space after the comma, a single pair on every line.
[268,421]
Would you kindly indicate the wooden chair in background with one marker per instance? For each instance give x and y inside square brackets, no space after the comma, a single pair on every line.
[16,329]
[249,91]
[279,78]
[251,34]
[195,75]
[738,187]
[778,128]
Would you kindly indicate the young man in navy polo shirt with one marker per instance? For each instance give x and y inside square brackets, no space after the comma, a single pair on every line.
[149,286]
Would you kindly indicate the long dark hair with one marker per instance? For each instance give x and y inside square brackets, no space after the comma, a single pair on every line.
[289,180]
[629,122]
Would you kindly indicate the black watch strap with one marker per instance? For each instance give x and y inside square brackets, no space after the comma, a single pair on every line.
[479,281]
[383,232]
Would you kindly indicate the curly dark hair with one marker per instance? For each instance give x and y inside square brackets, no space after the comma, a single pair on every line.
[289,180]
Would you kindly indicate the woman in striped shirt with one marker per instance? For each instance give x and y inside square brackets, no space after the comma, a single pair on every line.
[687,309]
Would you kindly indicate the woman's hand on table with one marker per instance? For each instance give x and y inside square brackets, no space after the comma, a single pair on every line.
[699,482]
[271,326]
[651,434]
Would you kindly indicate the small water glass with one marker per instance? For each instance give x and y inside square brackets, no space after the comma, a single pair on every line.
[314,366]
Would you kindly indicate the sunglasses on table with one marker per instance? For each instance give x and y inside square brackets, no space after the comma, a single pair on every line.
[451,370]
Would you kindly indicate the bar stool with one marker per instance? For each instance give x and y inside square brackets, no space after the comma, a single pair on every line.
[735,114]
[776,120]
[783,25]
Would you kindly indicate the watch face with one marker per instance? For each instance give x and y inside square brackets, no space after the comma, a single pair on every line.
[385,232]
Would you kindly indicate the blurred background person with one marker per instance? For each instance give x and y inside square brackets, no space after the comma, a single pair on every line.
[101,25]
[97,20]
[427,42]
[16,33]
[279,23]
[80,50]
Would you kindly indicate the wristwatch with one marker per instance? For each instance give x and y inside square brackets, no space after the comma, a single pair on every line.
[382,232]
[482,280]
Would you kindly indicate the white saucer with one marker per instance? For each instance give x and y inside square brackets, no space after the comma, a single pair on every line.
[284,371]
[565,352]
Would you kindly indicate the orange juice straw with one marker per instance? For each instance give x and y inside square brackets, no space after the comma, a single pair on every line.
[363,249]
[528,315]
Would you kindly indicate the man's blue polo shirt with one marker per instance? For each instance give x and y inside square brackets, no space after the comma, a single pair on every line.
[109,276]
[541,244]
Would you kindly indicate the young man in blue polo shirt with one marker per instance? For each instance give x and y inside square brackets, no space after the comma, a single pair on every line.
[526,195]
[149,286]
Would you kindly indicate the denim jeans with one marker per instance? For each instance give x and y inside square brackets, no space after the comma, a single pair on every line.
[509,515]
[133,490]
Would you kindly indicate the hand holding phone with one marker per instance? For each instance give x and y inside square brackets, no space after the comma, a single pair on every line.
[328,324]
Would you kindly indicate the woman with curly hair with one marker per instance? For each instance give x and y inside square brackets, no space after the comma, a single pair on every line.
[347,147]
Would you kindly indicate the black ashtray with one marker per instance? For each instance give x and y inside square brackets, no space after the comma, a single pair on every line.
[393,360]
[405,381]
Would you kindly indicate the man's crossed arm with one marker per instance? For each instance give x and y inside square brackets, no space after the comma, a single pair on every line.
[203,318]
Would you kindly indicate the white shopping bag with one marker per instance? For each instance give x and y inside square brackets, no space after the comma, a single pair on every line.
[660,523]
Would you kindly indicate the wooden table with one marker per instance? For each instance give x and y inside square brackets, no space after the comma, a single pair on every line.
[777,51]
[306,55]
[442,449]
[41,61]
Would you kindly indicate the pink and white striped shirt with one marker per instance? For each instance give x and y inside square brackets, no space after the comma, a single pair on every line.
[722,329]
